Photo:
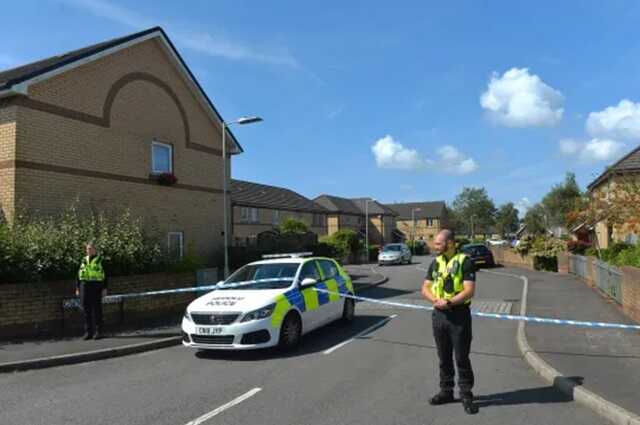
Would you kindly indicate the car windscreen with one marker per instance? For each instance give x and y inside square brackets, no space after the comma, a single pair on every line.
[392,248]
[475,250]
[266,276]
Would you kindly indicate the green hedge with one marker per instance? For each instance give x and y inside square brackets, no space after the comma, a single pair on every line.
[619,254]
[50,248]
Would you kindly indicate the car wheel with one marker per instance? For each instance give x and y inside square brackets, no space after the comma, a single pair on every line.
[290,332]
[349,311]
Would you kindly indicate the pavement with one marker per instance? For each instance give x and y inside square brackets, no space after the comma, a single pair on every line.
[380,370]
[37,354]
[606,362]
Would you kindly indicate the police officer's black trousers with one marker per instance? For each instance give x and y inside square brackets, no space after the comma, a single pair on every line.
[452,332]
[91,300]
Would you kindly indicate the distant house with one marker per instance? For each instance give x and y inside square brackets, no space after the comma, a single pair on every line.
[345,213]
[102,124]
[427,219]
[259,207]
[628,167]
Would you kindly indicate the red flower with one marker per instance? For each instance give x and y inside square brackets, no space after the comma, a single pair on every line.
[167,179]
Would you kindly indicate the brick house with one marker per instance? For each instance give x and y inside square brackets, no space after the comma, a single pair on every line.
[627,167]
[258,207]
[100,123]
[347,213]
[430,218]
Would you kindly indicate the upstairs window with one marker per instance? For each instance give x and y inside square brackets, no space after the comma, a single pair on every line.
[175,245]
[161,158]
[248,215]
[276,217]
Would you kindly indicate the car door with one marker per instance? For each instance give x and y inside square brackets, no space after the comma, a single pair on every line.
[311,317]
[332,304]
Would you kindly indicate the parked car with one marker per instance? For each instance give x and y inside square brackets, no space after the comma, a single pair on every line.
[479,254]
[394,253]
[497,242]
[269,303]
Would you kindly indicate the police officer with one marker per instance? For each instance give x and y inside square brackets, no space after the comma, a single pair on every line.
[450,285]
[91,286]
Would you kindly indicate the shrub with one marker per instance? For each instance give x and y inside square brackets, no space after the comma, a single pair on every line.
[417,247]
[578,247]
[374,250]
[292,225]
[345,243]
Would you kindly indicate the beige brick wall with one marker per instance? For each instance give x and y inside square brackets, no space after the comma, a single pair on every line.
[8,118]
[141,112]
[422,229]
[243,230]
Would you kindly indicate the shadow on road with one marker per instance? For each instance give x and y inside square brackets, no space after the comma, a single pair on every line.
[433,347]
[382,292]
[539,395]
[313,342]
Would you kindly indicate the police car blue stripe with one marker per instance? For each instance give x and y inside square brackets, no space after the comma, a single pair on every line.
[323,297]
[295,298]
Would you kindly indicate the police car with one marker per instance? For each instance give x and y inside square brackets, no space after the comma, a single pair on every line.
[270,303]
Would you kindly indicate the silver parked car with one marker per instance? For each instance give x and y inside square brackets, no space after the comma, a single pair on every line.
[394,253]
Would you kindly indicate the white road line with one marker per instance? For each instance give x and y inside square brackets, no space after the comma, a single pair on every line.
[369,329]
[221,409]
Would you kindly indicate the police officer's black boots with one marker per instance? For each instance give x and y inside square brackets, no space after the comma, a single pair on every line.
[469,406]
[443,397]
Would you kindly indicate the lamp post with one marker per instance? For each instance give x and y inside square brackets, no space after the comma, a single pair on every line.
[225,125]
[413,236]
[366,225]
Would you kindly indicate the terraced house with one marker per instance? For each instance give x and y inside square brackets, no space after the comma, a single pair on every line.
[420,220]
[350,214]
[258,208]
[102,124]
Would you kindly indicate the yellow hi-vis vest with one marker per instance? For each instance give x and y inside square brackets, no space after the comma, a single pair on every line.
[91,270]
[448,270]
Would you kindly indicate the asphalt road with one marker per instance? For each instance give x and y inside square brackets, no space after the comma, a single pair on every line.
[382,377]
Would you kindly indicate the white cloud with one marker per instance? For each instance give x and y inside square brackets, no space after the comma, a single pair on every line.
[523,206]
[594,150]
[520,99]
[212,45]
[618,122]
[570,146]
[393,155]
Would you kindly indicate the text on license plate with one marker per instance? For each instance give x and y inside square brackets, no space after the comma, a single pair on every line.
[208,330]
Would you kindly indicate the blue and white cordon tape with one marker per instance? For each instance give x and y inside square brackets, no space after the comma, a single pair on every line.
[75,302]
[494,315]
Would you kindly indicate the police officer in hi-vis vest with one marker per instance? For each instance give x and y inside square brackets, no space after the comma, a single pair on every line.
[450,285]
[91,286]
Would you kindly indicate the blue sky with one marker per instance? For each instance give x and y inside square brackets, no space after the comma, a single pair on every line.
[398,101]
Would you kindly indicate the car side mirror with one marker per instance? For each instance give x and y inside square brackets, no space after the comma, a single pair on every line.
[308,281]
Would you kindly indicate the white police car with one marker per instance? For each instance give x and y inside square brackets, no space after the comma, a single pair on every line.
[268,303]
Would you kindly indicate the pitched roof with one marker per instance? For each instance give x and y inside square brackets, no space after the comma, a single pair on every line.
[265,196]
[628,163]
[22,74]
[373,207]
[435,209]
[337,204]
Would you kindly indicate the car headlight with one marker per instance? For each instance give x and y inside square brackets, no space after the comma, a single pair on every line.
[261,313]
[187,316]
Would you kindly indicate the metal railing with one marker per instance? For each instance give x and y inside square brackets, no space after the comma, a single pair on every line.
[578,266]
[608,279]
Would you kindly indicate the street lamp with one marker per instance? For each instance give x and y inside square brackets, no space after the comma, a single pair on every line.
[225,125]
[413,237]
[366,225]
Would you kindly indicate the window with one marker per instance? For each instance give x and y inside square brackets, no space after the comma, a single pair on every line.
[430,222]
[276,217]
[309,270]
[161,158]
[318,220]
[248,215]
[175,245]
[329,268]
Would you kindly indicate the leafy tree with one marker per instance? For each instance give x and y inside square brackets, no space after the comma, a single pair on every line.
[536,220]
[507,218]
[474,208]
[561,200]
[292,225]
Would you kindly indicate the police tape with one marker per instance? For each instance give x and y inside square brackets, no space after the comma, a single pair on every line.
[493,315]
[75,302]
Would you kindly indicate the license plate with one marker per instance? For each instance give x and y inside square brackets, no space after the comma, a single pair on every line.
[208,331]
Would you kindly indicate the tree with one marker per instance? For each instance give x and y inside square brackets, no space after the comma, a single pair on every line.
[561,200]
[292,225]
[536,220]
[474,208]
[507,218]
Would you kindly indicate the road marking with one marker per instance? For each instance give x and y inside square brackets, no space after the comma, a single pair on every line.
[222,408]
[369,329]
